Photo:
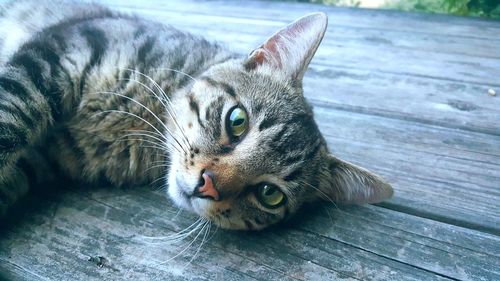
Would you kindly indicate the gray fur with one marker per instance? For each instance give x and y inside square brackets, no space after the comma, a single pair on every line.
[116,98]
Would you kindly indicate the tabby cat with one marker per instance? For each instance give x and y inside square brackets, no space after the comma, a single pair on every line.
[100,96]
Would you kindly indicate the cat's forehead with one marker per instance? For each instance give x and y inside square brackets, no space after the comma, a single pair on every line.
[258,90]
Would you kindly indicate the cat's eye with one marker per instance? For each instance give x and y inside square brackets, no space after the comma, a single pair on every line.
[237,122]
[270,196]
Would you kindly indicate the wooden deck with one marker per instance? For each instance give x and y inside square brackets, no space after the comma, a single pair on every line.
[403,94]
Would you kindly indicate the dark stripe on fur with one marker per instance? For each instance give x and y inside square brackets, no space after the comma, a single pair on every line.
[266,123]
[140,31]
[292,160]
[258,221]
[280,134]
[193,105]
[28,170]
[312,153]
[293,175]
[299,118]
[41,61]
[15,88]
[73,144]
[12,136]
[215,108]
[19,113]
[287,213]
[225,87]
[4,200]
[145,49]
[178,65]
[228,89]
[31,65]
[98,43]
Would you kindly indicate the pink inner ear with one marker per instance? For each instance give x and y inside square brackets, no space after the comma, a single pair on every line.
[259,56]
[291,48]
[269,51]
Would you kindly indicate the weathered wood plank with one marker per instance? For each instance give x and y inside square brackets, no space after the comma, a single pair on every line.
[382,236]
[278,247]
[474,69]
[342,243]
[322,243]
[364,18]
[447,250]
[447,174]
[449,104]
[65,241]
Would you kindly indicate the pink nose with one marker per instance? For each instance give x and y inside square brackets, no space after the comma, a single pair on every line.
[208,188]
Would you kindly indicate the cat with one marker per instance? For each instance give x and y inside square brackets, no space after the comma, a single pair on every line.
[99,96]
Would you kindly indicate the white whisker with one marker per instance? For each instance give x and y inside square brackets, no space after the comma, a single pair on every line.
[148,110]
[169,108]
[130,114]
[321,192]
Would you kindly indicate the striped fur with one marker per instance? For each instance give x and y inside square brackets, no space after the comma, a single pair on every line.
[105,97]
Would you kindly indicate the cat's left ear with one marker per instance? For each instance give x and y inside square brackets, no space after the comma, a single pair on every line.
[291,49]
[344,182]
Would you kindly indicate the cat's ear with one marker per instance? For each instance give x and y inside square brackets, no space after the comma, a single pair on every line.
[291,49]
[344,182]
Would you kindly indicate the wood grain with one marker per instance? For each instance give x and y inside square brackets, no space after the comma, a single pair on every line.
[324,243]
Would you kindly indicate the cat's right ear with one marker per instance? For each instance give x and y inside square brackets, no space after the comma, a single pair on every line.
[344,182]
[290,50]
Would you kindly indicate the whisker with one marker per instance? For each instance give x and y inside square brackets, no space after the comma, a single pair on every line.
[170,111]
[151,112]
[161,143]
[206,231]
[185,232]
[127,113]
[321,192]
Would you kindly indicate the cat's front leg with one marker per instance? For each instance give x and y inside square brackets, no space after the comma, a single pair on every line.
[25,116]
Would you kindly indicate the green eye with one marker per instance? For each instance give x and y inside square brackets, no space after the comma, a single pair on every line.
[237,122]
[270,196]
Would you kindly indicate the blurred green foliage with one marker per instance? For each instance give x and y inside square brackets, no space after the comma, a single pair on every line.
[482,8]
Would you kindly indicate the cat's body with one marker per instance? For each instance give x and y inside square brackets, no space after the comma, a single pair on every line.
[100,96]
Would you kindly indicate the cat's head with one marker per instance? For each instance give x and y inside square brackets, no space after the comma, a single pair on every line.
[255,153]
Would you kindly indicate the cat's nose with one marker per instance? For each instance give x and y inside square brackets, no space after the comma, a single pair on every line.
[206,188]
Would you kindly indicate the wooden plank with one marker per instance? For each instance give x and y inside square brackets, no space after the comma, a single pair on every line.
[75,239]
[422,243]
[447,174]
[438,102]
[481,70]
[313,249]
[435,247]
[362,18]
[57,242]
[322,243]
